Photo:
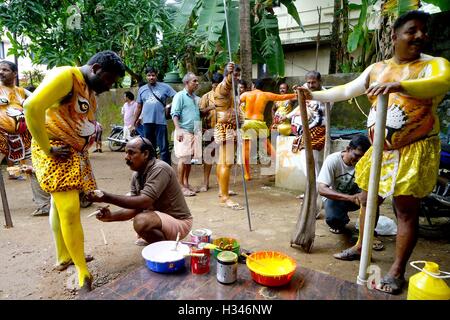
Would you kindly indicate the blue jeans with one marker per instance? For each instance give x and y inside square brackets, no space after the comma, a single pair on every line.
[336,213]
[158,136]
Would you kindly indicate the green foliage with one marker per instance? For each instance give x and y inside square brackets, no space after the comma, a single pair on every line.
[444,5]
[70,32]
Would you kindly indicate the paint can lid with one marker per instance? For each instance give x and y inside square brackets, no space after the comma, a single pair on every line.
[227,256]
[199,232]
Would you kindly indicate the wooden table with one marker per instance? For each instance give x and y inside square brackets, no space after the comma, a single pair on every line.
[307,284]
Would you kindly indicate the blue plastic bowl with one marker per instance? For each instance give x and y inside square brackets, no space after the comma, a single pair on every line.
[161,256]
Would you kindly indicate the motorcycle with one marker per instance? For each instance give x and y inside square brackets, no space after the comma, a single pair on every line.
[116,140]
[437,203]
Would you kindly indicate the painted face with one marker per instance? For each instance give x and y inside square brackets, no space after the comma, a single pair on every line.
[6,74]
[152,77]
[410,39]
[313,84]
[102,81]
[283,88]
[237,75]
[134,157]
[192,84]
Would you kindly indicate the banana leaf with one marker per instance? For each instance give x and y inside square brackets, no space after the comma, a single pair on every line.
[292,10]
[184,13]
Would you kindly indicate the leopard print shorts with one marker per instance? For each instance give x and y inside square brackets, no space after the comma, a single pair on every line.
[56,175]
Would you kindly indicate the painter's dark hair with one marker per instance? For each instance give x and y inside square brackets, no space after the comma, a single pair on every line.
[129,95]
[217,77]
[10,64]
[109,61]
[244,83]
[359,141]
[146,145]
[259,84]
[313,74]
[151,70]
[411,15]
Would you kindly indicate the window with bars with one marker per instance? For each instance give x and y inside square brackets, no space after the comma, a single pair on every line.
[2,50]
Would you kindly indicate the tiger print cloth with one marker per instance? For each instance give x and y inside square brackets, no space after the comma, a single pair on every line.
[224,132]
[317,138]
[56,175]
[15,139]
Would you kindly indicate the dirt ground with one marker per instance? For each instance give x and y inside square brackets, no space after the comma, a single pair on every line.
[27,250]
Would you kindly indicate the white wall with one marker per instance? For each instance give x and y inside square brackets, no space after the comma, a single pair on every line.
[24,64]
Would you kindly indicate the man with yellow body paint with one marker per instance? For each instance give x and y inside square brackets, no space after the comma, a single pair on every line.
[415,83]
[60,117]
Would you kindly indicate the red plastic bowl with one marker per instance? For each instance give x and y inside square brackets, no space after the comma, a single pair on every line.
[271,268]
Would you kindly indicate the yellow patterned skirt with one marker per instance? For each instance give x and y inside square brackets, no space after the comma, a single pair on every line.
[55,175]
[410,170]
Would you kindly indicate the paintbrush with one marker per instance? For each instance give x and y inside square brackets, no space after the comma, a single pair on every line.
[97,211]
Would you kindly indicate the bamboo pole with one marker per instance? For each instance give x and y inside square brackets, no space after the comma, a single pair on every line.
[8,220]
[236,114]
[372,193]
[319,11]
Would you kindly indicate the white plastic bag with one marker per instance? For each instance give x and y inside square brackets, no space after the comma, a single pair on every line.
[385,226]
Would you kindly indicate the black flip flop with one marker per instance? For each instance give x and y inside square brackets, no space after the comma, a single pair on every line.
[396,285]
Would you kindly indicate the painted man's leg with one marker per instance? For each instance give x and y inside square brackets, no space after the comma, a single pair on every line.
[62,255]
[246,147]
[68,205]
[407,208]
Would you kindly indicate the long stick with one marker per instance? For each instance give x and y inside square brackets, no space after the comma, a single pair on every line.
[6,211]
[239,138]
[372,193]
[319,11]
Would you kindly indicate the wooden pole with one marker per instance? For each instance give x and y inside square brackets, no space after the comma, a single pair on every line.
[6,211]
[327,147]
[372,193]
[306,224]
[319,10]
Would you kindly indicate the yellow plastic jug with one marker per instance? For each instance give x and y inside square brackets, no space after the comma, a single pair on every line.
[428,284]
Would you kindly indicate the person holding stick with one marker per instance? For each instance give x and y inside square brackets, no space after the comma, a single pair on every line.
[415,83]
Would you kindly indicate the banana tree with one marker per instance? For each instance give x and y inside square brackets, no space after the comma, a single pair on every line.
[209,18]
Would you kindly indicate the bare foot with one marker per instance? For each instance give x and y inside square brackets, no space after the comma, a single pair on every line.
[87,286]
[230,193]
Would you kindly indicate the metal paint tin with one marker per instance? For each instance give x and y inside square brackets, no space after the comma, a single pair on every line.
[227,264]
[200,235]
[200,265]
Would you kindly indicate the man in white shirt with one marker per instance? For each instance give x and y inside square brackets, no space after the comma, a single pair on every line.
[337,183]
[128,112]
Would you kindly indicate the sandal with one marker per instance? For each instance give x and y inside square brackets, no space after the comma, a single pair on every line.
[203,189]
[188,193]
[377,245]
[336,230]
[232,205]
[348,255]
[391,285]
[63,266]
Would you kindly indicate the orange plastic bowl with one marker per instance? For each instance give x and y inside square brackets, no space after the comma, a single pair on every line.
[271,268]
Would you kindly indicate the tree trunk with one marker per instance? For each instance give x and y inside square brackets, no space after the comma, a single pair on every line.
[306,224]
[245,41]
[334,38]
